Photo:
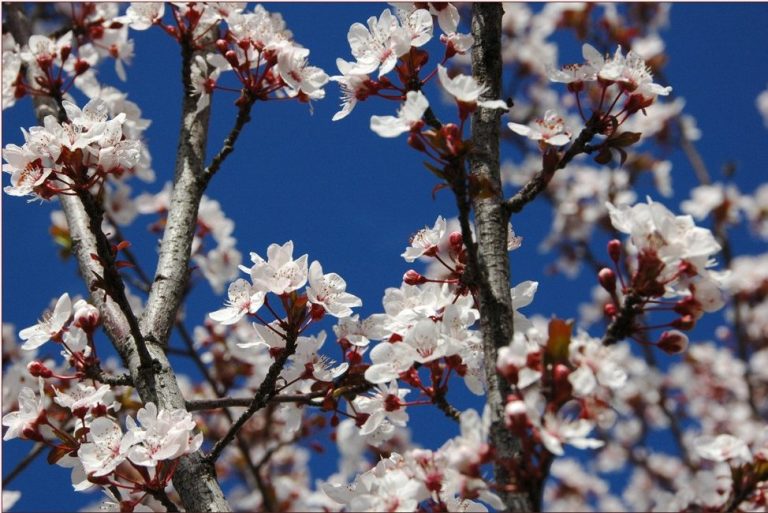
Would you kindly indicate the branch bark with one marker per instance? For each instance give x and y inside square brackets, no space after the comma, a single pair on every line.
[492,273]
[194,479]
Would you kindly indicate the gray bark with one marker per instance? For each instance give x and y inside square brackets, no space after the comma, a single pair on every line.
[492,274]
[194,479]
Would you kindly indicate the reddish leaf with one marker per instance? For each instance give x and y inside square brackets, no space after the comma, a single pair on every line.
[559,339]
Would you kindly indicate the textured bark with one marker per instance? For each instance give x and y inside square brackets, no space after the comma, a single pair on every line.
[194,479]
[171,277]
[492,274]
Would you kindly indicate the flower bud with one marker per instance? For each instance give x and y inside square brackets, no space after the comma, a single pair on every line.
[231,57]
[515,413]
[610,310]
[222,45]
[456,241]
[415,142]
[614,249]
[81,67]
[607,279]
[353,357]
[413,278]
[38,370]
[65,51]
[86,316]
[673,342]
[317,312]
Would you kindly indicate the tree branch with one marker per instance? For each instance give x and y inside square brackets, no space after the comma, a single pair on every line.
[492,273]
[194,478]
[541,179]
[171,276]
[263,396]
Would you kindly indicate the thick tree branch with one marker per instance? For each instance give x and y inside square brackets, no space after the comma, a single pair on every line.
[171,276]
[194,479]
[492,274]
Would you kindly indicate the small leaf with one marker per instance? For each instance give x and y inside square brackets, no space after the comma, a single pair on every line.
[624,139]
[604,156]
[435,171]
[559,340]
[437,188]
[57,453]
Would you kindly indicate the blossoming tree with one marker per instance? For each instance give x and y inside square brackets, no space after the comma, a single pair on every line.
[560,405]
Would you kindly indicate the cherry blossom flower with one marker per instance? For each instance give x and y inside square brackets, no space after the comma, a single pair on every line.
[329,292]
[378,45]
[762,103]
[353,87]
[653,226]
[203,78]
[31,407]
[467,91]
[408,117]
[522,295]
[630,72]
[28,170]
[384,405]
[280,273]
[389,360]
[243,299]
[81,398]
[293,69]
[425,241]
[163,435]
[142,15]
[513,361]
[550,130]
[104,451]
[11,64]
[50,326]
[723,448]
[307,361]
[557,431]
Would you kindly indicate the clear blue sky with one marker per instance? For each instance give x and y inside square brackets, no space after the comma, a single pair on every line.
[351,199]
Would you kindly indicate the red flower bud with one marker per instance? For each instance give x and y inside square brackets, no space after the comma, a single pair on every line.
[354,357]
[317,312]
[607,279]
[610,310]
[673,342]
[37,369]
[456,240]
[222,45]
[614,250]
[413,278]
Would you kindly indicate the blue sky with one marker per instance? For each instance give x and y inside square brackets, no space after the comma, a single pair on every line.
[351,199]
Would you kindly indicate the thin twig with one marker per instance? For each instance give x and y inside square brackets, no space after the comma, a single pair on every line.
[243,117]
[24,463]
[265,393]
[541,179]
[244,402]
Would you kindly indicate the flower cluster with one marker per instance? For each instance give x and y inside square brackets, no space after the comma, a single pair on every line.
[57,63]
[281,275]
[74,155]
[671,257]
[256,46]
[449,476]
